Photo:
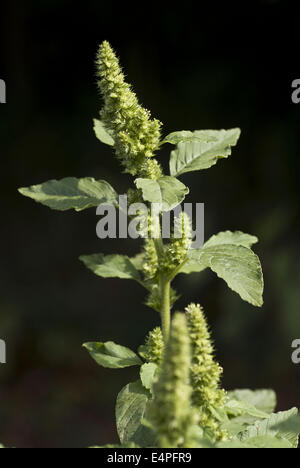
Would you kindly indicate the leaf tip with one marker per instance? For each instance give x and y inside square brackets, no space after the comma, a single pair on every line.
[22,190]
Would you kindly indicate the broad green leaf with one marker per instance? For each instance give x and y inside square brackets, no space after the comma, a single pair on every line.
[102,134]
[111,266]
[269,427]
[147,374]
[235,238]
[263,400]
[142,351]
[291,425]
[167,192]
[199,438]
[233,444]
[266,441]
[235,426]
[71,193]
[130,445]
[138,261]
[226,237]
[235,264]
[111,355]
[186,136]
[202,443]
[239,407]
[192,265]
[131,407]
[203,151]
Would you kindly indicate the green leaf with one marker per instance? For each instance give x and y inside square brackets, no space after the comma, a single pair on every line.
[236,425]
[269,427]
[130,410]
[147,374]
[192,265]
[235,238]
[167,192]
[111,266]
[130,445]
[186,136]
[111,355]
[263,400]
[102,134]
[233,444]
[226,237]
[220,414]
[202,151]
[235,264]
[70,192]
[266,441]
[142,351]
[138,261]
[291,425]
[239,407]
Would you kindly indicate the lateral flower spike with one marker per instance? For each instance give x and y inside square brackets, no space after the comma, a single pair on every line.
[150,264]
[154,347]
[205,373]
[136,136]
[180,242]
[171,414]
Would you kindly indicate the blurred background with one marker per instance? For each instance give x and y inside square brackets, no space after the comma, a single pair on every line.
[230,64]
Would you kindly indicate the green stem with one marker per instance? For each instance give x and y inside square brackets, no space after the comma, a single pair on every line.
[165,306]
[177,270]
[159,247]
[164,285]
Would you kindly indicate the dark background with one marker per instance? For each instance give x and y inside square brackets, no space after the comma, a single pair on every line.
[230,64]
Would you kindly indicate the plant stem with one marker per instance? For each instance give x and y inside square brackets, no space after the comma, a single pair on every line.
[177,270]
[164,286]
[159,246]
[165,306]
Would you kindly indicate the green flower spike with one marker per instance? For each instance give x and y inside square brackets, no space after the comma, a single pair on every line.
[150,264]
[181,240]
[154,347]
[205,373]
[135,135]
[171,414]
